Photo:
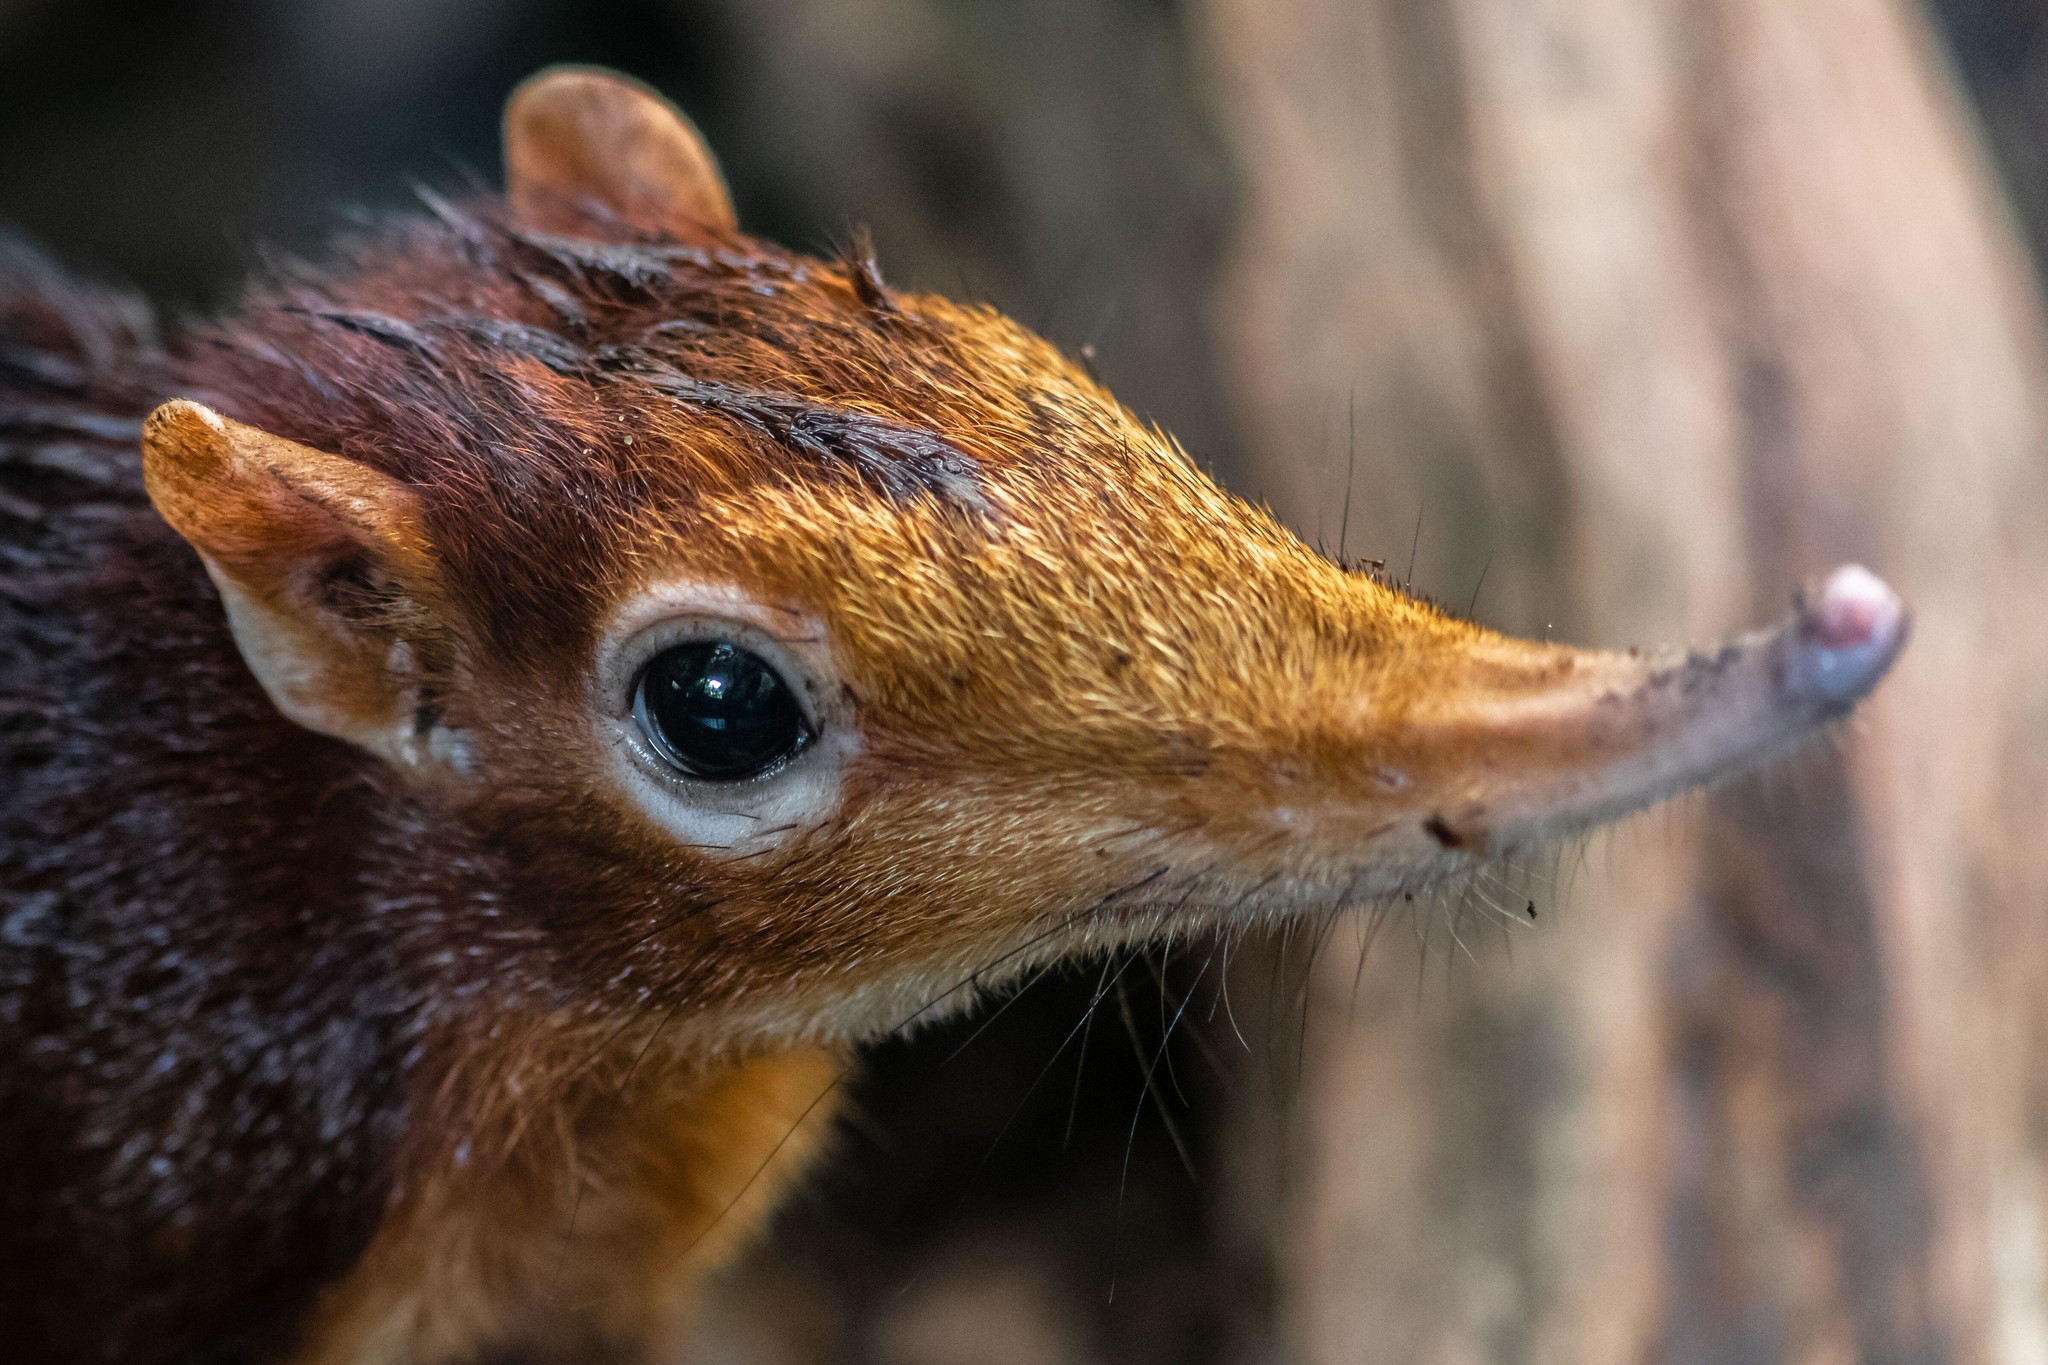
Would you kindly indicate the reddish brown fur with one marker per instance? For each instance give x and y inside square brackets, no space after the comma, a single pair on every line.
[498,374]
[325,1044]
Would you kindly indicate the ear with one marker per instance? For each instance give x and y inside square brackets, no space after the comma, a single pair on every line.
[321,562]
[577,136]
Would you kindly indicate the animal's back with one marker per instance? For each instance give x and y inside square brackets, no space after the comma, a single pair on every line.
[188,1101]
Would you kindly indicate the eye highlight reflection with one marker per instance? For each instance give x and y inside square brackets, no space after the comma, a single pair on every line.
[718,712]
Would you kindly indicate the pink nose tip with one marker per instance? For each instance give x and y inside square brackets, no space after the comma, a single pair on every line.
[1854,607]
[1848,634]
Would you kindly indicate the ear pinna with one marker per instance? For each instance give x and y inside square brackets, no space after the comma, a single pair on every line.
[318,559]
[580,140]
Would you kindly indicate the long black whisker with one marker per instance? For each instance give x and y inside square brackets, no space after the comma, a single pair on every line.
[1195,1035]
[1158,971]
[1081,1058]
[1276,974]
[1474,604]
[1358,973]
[1000,1011]
[1131,1138]
[667,1017]
[1151,1091]
[1228,1011]
[773,1152]
[1414,545]
[922,1010]
[1087,1016]
[1308,983]
[1350,477]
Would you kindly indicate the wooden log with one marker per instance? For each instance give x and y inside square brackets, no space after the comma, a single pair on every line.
[1659,308]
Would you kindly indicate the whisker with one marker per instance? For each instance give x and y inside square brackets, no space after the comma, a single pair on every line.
[1358,974]
[1151,1089]
[1087,1017]
[1474,604]
[1408,585]
[773,1152]
[1324,929]
[1158,972]
[929,1005]
[1131,1138]
[1228,1012]
[648,1046]
[1350,476]
[1081,1059]
[999,1011]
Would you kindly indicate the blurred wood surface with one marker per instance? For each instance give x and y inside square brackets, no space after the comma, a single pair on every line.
[1661,308]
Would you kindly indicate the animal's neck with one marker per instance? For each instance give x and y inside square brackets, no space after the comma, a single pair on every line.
[325,1019]
[665,1178]
[488,1117]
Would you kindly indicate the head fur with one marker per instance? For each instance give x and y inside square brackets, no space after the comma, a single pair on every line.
[1086,694]
[356,1007]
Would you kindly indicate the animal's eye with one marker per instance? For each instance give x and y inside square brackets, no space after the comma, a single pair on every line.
[718,712]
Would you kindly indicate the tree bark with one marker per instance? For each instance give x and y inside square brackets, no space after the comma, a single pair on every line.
[1658,308]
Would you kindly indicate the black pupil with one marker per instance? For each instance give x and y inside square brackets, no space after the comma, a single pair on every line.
[719,712]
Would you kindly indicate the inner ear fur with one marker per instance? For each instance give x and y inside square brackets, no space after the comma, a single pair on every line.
[322,563]
[579,137]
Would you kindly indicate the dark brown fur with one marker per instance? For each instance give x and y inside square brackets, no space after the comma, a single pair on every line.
[223,942]
[202,1032]
[306,1052]
[235,958]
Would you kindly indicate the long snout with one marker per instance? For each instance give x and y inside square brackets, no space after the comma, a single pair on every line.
[1539,741]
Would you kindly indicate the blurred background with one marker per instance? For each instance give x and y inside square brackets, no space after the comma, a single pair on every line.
[1609,320]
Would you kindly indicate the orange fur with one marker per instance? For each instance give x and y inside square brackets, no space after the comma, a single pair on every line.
[1082,697]
[588,1236]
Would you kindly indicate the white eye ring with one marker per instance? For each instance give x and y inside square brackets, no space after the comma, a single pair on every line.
[724,818]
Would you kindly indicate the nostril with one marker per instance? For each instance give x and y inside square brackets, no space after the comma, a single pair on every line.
[1848,633]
